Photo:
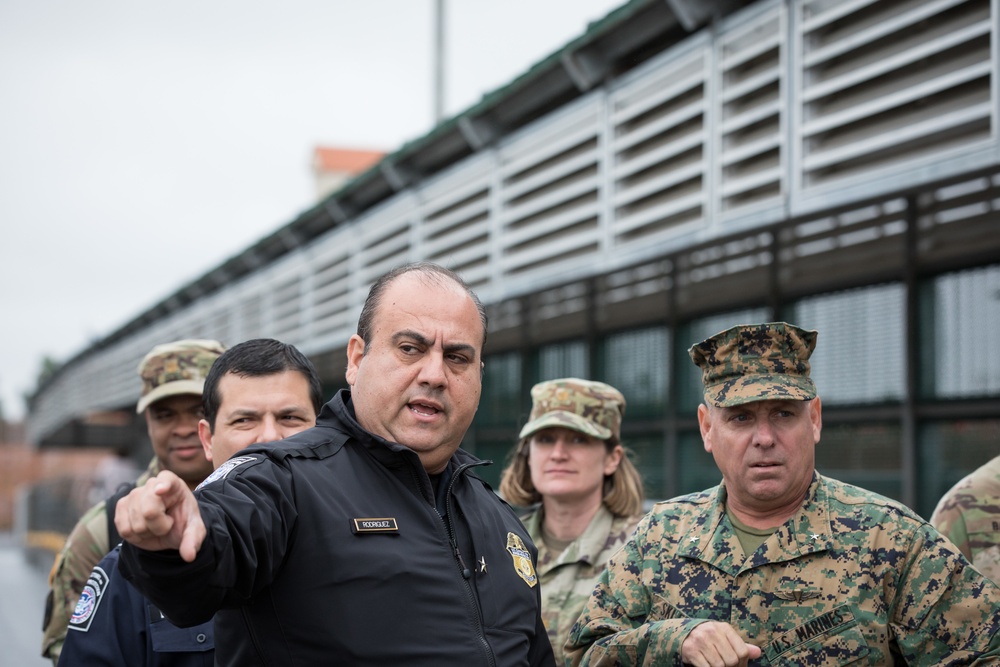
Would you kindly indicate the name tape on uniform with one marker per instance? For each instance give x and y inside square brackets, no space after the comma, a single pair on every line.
[374,525]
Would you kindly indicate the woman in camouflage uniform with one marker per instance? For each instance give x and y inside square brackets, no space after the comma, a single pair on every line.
[571,465]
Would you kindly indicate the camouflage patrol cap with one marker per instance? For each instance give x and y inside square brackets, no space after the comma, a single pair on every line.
[756,362]
[590,407]
[176,368]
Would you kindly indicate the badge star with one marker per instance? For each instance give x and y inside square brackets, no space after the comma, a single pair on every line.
[815,537]
[482,564]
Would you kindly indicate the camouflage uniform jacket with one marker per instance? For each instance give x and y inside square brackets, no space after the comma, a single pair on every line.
[86,545]
[568,579]
[969,515]
[852,578]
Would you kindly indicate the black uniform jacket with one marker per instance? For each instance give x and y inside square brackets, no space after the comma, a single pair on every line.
[330,548]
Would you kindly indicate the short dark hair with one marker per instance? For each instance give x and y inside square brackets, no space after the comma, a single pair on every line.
[256,358]
[428,271]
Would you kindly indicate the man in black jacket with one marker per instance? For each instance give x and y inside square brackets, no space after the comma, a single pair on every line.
[368,539]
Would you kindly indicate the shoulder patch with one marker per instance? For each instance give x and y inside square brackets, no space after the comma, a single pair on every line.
[90,600]
[223,471]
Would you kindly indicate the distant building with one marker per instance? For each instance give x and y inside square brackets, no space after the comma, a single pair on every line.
[333,167]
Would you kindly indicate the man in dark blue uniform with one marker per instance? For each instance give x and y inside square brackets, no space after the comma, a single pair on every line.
[116,625]
[258,391]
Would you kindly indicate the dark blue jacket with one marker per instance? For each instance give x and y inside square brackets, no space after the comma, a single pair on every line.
[113,624]
[331,547]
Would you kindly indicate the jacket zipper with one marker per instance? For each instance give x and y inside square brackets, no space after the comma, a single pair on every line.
[254,640]
[476,615]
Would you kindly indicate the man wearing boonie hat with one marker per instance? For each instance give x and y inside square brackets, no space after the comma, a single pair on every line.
[571,467]
[173,376]
[780,564]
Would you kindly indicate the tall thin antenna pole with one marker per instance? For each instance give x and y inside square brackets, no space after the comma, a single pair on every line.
[438,61]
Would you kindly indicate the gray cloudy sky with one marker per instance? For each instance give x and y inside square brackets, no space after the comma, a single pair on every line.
[143,143]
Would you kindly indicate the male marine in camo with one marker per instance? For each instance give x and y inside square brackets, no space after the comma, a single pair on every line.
[779,565]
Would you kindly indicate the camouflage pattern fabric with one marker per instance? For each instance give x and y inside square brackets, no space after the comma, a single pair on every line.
[851,578]
[590,407]
[176,368]
[86,545]
[969,516]
[756,362]
[568,578]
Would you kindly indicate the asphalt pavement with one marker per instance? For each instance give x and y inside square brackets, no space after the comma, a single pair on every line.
[23,587]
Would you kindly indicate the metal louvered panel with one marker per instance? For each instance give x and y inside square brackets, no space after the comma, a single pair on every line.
[455,226]
[752,101]
[385,239]
[658,138]
[549,193]
[250,314]
[287,310]
[891,83]
[331,303]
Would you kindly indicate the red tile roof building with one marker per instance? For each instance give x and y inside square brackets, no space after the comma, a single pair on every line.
[333,167]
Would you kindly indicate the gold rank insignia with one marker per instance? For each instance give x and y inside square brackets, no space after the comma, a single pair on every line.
[522,560]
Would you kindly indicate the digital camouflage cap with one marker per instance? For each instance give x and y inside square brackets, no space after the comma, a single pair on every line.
[756,362]
[176,368]
[587,406]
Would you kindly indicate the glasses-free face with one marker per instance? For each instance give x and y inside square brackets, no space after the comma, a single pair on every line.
[419,381]
[570,466]
[172,424]
[766,451]
[257,409]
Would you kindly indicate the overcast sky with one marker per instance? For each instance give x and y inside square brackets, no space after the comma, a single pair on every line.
[143,143]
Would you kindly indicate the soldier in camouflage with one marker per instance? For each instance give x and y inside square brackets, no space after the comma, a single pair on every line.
[969,516]
[173,376]
[779,565]
[570,464]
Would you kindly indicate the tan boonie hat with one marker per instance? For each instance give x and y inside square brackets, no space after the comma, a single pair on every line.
[176,368]
[756,362]
[590,407]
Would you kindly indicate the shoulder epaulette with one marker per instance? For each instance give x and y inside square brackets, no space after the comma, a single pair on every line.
[315,443]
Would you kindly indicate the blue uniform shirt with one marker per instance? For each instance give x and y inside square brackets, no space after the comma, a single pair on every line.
[113,624]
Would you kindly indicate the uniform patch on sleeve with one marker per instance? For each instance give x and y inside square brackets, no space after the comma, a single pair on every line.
[223,471]
[89,600]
